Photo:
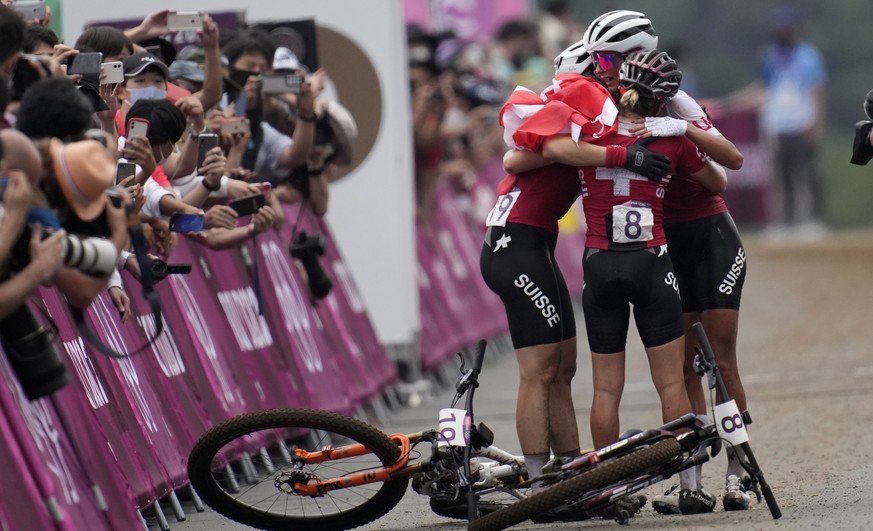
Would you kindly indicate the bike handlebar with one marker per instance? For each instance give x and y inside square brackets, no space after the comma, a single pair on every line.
[479,356]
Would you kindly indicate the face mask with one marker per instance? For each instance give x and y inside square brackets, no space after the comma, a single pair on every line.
[239,77]
[147,93]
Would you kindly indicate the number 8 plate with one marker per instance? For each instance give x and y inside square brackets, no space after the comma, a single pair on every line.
[632,222]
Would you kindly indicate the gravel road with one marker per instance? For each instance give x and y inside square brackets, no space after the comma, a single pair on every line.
[806,356]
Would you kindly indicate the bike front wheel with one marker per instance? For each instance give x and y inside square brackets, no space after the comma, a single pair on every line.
[242,468]
[602,475]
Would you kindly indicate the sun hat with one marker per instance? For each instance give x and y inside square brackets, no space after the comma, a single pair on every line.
[84,171]
[184,69]
[345,129]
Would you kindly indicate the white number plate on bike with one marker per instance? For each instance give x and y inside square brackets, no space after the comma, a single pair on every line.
[729,423]
[454,426]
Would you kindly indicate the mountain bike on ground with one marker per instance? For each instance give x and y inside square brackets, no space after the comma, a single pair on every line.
[608,479]
[308,469]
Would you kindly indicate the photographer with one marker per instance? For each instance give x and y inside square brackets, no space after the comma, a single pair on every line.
[46,254]
[862,147]
[269,153]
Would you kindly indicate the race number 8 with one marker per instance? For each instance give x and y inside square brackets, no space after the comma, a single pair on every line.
[632,223]
[729,423]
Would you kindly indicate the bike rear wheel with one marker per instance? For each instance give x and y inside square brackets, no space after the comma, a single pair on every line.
[602,475]
[238,466]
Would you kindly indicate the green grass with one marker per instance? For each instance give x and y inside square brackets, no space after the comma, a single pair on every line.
[849,188]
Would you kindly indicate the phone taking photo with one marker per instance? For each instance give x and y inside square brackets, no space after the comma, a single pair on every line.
[281,83]
[137,128]
[235,125]
[184,20]
[86,63]
[113,72]
[246,206]
[186,222]
[205,142]
[124,170]
[30,10]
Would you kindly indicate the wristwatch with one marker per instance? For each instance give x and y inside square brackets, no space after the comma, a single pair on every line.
[211,188]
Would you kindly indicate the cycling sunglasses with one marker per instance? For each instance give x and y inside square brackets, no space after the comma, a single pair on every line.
[608,60]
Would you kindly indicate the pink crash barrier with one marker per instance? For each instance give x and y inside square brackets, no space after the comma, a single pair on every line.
[116,439]
[241,333]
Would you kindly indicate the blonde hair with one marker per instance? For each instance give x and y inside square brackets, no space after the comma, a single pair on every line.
[629,101]
[633,102]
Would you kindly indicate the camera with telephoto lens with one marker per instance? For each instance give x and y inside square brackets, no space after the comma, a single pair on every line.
[29,346]
[161,270]
[307,248]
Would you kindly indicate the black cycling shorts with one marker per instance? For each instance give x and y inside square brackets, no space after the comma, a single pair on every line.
[709,261]
[518,264]
[615,280]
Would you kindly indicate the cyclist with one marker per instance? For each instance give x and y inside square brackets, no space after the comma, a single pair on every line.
[709,260]
[518,263]
[626,261]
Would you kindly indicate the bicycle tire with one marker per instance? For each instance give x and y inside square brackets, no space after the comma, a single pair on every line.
[337,509]
[604,474]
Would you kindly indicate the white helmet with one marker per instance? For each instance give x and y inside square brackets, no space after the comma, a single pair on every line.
[620,31]
[574,60]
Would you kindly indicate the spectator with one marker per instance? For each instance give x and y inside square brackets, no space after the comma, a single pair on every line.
[269,153]
[791,96]
[11,39]
[39,40]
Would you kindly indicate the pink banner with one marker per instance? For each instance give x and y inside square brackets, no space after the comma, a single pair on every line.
[470,20]
[21,506]
[91,387]
[50,461]
[343,312]
[749,194]
[323,374]
[439,327]
[247,341]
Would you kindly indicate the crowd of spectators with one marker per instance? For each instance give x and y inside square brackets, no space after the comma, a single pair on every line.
[458,87]
[67,140]
[88,156]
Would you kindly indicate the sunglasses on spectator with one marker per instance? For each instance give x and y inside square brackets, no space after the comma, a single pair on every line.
[608,60]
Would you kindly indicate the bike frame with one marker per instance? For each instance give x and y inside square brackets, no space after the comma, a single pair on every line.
[507,467]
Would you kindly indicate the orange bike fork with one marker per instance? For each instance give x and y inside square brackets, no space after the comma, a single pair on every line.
[323,486]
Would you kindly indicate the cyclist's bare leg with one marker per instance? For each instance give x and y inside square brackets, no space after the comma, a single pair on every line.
[721,329]
[608,373]
[537,368]
[665,365]
[693,382]
[563,431]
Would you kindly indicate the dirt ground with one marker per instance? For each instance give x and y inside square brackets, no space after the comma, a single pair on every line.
[806,357]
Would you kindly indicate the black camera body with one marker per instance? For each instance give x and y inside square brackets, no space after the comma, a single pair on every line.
[307,248]
[29,347]
[161,270]
[862,151]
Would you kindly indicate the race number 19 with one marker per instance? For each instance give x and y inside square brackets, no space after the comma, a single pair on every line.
[454,427]
[497,216]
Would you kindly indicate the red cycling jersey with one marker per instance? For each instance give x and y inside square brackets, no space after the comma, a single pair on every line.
[688,199]
[537,197]
[624,209]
